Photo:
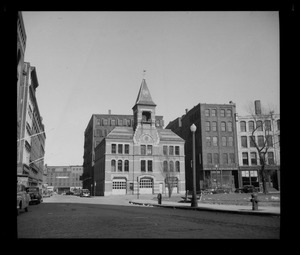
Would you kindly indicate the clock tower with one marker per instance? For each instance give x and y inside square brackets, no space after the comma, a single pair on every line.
[144,115]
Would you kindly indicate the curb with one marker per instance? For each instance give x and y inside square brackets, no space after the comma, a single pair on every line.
[250,212]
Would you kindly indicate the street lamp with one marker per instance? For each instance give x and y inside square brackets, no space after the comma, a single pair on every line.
[194,202]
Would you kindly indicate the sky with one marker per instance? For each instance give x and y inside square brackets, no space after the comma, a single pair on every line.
[91,62]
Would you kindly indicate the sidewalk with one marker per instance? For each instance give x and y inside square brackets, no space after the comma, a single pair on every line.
[240,209]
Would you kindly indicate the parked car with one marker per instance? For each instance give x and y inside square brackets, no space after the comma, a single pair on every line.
[23,198]
[84,193]
[69,193]
[35,196]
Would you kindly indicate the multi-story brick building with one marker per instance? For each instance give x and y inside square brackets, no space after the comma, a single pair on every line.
[21,46]
[31,140]
[265,128]
[140,158]
[215,142]
[64,178]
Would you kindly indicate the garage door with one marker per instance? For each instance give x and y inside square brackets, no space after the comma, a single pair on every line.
[119,187]
[146,186]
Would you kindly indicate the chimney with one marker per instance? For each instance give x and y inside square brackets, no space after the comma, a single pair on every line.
[257,107]
[186,111]
[109,112]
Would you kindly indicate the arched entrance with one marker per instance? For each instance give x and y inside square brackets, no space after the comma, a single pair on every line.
[119,186]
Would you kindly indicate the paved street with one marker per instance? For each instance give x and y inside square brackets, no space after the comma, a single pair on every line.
[74,217]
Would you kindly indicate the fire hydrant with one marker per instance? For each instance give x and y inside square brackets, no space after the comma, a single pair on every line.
[159,198]
[254,201]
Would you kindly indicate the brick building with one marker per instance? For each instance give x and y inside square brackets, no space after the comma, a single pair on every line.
[140,158]
[215,142]
[265,128]
[64,178]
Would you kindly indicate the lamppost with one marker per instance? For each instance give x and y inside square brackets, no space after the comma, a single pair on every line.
[194,202]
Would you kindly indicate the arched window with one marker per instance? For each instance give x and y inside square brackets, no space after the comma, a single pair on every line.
[177,166]
[229,126]
[243,126]
[120,165]
[251,126]
[165,166]
[171,166]
[223,126]
[228,113]
[259,125]
[113,165]
[146,116]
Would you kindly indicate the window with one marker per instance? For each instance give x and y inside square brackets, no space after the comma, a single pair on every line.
[165,166]
[215,141]
[225,158]
[143,149]
[126,148]
[120,148]
[268,125]
[129,123]
[251,126]
[208,141]
[245,158]
[216,158]
[229,126]
[171,150]
[126,166]
[146,117]
[244,141]
[231,158]
[165,150]
[252,141]
[149,149]
[222,113]
[209,158]
[207,113]
[229,113]
[223,126]
[260,141]
[269,140]
[177,166]
[113,148]
[224,141]
[149,165]
[214,126]
[230,141]
[112,122]
[171,163]
[243,126]
[177,150]
[271,158]
[143,165]
[104,122]
[120,165]
[120,122]
[278,125]
[259,125]
[253,158]
[207,126]
[113,165]
[213,112]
